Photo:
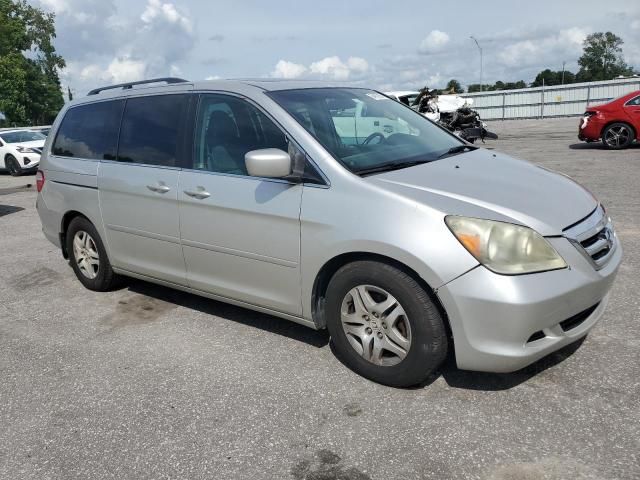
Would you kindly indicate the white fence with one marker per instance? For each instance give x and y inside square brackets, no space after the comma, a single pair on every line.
[556,101]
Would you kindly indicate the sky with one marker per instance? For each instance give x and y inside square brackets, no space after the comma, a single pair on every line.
[382,44]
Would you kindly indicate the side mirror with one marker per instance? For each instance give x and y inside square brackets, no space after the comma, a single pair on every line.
[268,162]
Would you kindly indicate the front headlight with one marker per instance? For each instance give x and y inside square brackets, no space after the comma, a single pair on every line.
[24,150]
[505,248]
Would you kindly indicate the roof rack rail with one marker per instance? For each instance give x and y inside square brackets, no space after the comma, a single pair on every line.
[128,85]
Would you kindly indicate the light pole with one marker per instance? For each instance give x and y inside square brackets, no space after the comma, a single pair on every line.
[563,72]
[479,48]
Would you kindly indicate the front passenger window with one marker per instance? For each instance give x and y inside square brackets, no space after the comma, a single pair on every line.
[226,129]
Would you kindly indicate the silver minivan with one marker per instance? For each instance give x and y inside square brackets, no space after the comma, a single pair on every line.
[405,242]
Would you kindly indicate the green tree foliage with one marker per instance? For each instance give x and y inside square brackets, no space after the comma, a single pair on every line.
[29,84]
[553,78]
[499,85]
[454,86]
[602,58]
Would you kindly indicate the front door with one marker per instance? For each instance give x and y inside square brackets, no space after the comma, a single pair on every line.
[240,234]
[139,191]
[633,110]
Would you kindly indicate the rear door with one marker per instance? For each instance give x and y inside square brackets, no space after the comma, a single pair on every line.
[139,190]
[240,234]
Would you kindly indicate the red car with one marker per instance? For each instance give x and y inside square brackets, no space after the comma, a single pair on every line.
[617,123]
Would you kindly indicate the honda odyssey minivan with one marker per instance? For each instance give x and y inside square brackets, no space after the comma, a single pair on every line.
[405,242]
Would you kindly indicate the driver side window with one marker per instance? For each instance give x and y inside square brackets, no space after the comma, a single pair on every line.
[226,129]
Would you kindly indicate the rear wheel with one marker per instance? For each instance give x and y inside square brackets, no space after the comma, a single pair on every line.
[13,166]
[617,136]
[384,325]
[88,256]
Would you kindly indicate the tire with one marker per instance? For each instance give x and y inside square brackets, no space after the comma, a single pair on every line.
[421,327]
[618,136]
[95,273]
[13,166]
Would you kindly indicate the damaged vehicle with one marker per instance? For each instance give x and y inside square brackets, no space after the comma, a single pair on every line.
[450,111]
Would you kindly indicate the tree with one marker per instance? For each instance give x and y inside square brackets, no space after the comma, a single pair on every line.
[512,85]
[454,86]
[29,84]
[602,58]
[499,85]
[475,87]
[553,78]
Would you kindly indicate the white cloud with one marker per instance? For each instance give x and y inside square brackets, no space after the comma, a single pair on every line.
[573,36]
[119,70]
[156,10]
[519,52]
[93,71]
[357,64]
[635,25]
[566,42]
[213,77]
[335,68]
[124,69]
[286,69]
[434,42]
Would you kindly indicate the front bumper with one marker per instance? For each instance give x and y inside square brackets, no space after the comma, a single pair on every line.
[504,323]
[29,162]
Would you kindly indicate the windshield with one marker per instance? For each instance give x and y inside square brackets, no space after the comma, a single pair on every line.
[22,136]
[365,130]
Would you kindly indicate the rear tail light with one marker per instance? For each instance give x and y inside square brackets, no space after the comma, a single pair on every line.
[39,180]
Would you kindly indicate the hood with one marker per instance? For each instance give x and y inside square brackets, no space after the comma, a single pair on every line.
[451,103]
[35,144]
[495,186]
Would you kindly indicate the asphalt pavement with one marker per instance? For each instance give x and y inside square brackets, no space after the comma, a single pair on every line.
[146,382]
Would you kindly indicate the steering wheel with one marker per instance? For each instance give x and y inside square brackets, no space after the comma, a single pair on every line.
[372,136]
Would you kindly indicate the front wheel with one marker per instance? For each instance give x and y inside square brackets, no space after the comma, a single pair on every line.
[617,136]
[384,325]
[13,166]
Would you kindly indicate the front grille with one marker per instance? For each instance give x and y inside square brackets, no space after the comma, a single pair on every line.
[593,237]
[576,320]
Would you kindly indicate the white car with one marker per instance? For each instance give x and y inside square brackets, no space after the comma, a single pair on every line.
[20,150]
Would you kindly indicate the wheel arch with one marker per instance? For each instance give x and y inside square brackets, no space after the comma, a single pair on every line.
[64,225]
[626,122]
[326,272]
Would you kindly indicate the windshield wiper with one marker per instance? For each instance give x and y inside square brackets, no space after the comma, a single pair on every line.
[457,149]
[387,167]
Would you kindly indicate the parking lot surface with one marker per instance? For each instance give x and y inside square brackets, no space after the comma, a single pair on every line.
[146,382]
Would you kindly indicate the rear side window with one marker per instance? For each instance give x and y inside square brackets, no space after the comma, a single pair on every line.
[634,102]
[150,130]
[90,131]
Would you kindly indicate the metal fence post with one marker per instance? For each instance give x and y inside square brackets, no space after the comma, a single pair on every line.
[542,100]
[503,98]
[588,96]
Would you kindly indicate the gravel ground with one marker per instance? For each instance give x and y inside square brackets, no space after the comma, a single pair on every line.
[145,382]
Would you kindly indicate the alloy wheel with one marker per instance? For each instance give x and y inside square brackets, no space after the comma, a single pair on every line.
[86,254]
[376,325]
[617,136]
